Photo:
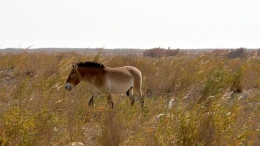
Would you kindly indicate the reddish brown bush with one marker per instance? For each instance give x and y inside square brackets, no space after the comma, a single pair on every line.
[160,52]
[237,53]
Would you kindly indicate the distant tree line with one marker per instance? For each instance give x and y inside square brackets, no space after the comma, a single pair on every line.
[229,53]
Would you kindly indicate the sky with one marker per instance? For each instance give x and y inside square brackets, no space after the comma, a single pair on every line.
[141,24]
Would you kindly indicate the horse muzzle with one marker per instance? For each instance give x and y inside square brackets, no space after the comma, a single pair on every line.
[68,86]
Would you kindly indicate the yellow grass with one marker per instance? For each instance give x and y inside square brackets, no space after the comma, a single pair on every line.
[35,108]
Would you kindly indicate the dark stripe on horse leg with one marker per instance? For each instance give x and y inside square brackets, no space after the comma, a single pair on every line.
[91,101]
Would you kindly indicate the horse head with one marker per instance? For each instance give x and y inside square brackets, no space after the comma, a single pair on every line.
[74,77]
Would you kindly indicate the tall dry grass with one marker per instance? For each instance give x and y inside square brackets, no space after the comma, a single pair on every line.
[35,109]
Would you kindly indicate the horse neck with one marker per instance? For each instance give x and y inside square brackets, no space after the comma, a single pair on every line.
[89,74]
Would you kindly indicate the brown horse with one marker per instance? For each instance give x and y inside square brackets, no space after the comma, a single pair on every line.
[107,80]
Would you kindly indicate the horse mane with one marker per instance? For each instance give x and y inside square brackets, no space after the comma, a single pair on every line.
[90,64]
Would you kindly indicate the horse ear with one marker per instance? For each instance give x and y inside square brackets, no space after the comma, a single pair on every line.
[74,66]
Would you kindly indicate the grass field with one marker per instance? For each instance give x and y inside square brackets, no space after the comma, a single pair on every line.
[215,100]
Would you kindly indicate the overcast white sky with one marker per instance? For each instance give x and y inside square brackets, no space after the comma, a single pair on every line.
[130,23]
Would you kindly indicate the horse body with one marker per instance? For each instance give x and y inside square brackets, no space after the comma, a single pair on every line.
[121,79]
[107,80]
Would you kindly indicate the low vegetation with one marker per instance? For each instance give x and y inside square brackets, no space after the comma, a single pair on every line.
[214,100]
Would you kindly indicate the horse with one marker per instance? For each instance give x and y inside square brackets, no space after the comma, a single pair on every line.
[102,79]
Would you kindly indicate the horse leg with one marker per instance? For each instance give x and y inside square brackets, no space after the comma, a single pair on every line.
[142,100]
[139,93]
[95,94]
[109,100]
[130,94]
